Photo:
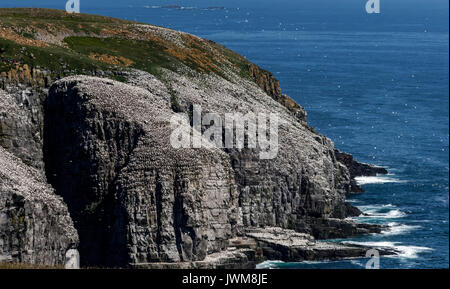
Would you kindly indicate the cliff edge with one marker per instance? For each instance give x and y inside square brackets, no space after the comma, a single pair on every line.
[95,97]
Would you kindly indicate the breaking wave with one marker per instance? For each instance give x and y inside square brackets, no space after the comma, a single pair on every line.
[269,264]
[388,211]
[404,251]
[382,179]
[399,229]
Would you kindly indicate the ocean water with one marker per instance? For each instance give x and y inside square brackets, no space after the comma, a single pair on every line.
[377,85]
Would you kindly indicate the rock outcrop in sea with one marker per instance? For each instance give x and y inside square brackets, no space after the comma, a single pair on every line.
[89,142]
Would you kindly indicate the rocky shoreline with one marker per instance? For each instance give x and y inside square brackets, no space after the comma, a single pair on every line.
[291,246]
[275,244]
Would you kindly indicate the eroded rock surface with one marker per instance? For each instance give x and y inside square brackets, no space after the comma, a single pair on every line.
[21,121]
[35,226]
[134,198]
[304,179]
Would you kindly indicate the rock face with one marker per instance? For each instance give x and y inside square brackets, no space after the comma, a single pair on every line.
[21,122]
[133,198]
[305,179]
[35,226]
[25,76]
[268,83]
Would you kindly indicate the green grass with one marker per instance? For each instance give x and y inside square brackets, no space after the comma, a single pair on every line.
[60,61]
[32,18]
[48,57]
[90,53]
[146,55]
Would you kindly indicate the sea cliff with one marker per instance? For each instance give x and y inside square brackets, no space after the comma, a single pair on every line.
[86,103]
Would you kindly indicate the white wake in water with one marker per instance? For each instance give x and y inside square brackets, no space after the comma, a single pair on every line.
[269,264]
[410,252]
[399,229]
[381,212]
[381,179]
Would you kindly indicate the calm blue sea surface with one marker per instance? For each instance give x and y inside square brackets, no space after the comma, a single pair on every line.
[377,85]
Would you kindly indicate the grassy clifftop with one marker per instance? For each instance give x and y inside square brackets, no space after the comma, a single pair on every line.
[33,41]
[73,43]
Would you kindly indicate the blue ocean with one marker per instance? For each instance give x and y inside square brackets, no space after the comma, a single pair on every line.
[376,84]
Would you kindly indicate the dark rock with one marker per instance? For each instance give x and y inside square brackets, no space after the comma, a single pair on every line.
[345,211]
[351,211]
[357,169]
[21,121]
[331,228]
[134,198]
[35,226]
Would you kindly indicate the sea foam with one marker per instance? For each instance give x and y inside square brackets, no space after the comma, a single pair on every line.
[404,251]
[381,179]
[388,211]
[399,229]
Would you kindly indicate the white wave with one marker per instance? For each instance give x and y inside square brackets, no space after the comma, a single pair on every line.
[387,211]
[409,252]
[357,262]
[376,214]
[269,264]
[375,207]
[388,206]
[399,229]
[382,179]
